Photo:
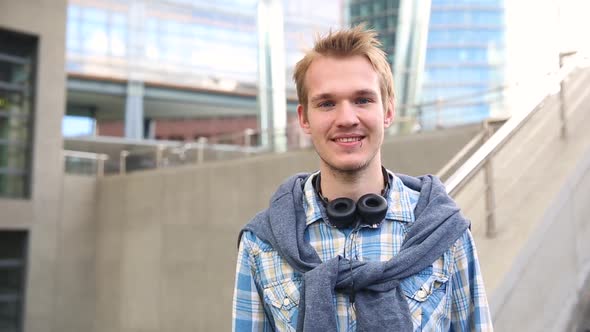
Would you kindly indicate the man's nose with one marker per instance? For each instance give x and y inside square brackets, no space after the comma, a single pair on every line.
[346,115]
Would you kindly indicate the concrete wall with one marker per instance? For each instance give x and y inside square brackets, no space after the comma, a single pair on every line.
[428,152]
[75,298]
[167,239]
[40,214]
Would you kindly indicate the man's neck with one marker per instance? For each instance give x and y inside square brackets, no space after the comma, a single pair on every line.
[353,185]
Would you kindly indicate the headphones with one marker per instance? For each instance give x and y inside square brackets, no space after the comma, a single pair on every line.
[343,212]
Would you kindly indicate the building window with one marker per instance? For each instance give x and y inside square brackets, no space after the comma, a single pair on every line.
[12,279]
[17,67]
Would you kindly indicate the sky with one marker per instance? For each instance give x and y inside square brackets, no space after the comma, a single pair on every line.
[77,126]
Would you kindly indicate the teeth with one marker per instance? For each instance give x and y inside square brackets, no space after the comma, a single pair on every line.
[348,139]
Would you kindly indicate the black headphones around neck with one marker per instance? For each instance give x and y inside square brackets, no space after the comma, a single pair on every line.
[343,212]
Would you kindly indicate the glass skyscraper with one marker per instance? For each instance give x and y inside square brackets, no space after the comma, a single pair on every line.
[381,15]
[447,56]
[464,67]
[402,28]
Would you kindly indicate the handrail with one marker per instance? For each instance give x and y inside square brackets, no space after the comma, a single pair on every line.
[499,139]
[85,155]
[461,154]
[100,158]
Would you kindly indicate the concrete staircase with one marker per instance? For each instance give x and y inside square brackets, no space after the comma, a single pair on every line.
[536,264]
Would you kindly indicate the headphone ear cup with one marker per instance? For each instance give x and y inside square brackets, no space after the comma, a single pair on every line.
[341,212]
[372,208]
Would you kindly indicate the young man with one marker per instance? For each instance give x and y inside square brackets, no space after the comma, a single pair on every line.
[355,246]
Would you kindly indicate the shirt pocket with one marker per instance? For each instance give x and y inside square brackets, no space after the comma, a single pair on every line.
[426,296]
[282,298]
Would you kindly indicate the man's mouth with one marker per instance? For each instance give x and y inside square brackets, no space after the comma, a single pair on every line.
[348,139]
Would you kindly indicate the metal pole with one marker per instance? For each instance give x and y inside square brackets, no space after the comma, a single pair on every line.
[248,132]
[420,117]
[490,192]
[562,112]
[562,96]
[490,200]
[159,156]
[123,161]
[100,164]
[202,141]
[562,105]
[182,152]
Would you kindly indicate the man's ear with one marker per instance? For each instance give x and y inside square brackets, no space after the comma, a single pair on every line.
[389,115]
[303,121]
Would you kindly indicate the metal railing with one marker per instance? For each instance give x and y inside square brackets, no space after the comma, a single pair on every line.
[145,155]
[483,157]
[461,155]
[77,162]
[431,115]
[128,156]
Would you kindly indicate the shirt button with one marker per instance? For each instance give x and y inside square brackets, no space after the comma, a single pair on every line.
[286,301]
[422,293]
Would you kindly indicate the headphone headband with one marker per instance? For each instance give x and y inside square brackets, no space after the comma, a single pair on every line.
[343,212]
[316,181]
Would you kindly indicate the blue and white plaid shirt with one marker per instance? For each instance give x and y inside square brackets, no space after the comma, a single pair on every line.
[449,295]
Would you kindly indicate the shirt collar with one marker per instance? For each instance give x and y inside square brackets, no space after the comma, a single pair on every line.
[311,201]
[398,201]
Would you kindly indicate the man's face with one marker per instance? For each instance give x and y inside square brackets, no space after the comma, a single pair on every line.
[345,115]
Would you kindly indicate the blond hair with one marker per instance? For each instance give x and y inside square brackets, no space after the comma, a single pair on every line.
[346,43]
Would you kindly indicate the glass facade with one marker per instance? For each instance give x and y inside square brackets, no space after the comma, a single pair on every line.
[444,78]
[173,42]
[198,43]
[402,33]
[465,62]
[17,64]
[181,47]
[381,15]
[12,280]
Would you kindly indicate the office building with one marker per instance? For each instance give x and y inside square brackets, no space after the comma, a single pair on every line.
[465,61]
[32,103]
[443,53]
[182,69]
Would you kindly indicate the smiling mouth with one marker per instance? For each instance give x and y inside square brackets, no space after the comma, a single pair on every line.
[348,139]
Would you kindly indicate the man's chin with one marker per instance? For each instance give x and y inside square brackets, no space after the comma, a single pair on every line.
[347,167]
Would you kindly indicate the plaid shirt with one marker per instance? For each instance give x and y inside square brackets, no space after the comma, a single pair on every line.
[448,295]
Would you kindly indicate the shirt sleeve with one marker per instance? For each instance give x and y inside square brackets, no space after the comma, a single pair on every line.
[469,307]
[247,308]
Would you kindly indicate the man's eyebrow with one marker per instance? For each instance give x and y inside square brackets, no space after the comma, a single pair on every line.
[320,97]
[366,92]
[363,92]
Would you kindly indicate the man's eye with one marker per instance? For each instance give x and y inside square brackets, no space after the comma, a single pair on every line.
[325,104]
[363,100]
